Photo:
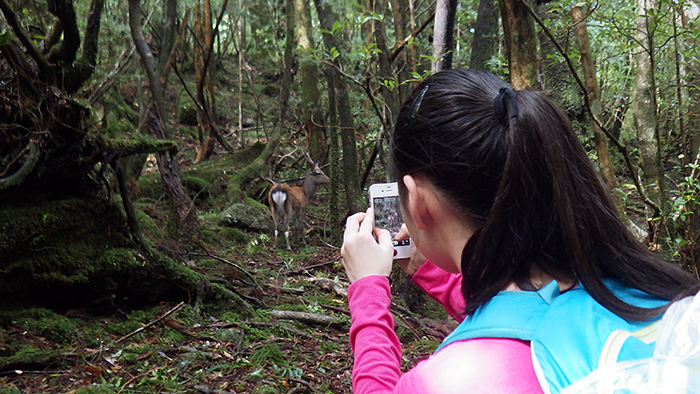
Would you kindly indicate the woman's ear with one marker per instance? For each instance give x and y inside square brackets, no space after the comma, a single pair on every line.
[421,201]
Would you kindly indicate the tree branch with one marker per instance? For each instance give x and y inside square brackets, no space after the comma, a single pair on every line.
[403,43]
[64,11]
[26,169]
[45,70]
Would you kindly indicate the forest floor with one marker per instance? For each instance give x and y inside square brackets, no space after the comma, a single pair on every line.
[291,336]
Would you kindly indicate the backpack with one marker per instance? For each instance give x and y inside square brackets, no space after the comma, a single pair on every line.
[570,333]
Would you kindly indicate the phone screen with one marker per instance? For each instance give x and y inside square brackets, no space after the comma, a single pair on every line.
[387,215]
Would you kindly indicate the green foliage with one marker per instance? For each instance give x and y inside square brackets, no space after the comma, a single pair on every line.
[97,389]
[270,353]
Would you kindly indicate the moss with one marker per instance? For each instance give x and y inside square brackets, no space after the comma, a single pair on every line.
[148,226]
[234,235]
[97,389]
[29,358]
[42,322]
[60,241]
[195,184]
[150,186]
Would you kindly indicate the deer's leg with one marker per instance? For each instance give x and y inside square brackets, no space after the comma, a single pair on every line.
[286,235]
[274,219]
[302,215]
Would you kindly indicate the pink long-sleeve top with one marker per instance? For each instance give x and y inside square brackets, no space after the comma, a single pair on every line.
[483,365]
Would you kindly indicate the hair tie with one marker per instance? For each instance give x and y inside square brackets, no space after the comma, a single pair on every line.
[500,108]
[418,101]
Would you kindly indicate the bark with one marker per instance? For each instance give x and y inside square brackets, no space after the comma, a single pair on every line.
[92,33]
[351,179]
[645,114]
[199,70]
[168,34]
[400,62]
[443,35]
[205,107]
[485,40]
[386,72]
[317,142]
[46,72]
[334,159]
[593,90]
[66,52]
[158,124]
[521,43]
[22,68]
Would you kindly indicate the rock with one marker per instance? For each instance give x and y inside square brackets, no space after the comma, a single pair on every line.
[247,217]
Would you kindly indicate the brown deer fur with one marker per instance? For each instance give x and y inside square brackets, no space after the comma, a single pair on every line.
[288,203]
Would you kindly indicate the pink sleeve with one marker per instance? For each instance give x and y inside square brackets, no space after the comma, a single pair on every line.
[376,348]
[443,287]
[475,366]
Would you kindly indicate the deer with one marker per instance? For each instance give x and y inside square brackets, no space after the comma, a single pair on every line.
[288,203]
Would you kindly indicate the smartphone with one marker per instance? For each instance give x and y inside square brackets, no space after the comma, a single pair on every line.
[384,199]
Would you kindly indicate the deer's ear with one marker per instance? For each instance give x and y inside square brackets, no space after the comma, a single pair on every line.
[422,201]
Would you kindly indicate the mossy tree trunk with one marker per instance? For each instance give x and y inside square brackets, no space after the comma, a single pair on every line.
[593,93]
[645,117]
[312,118]
[521,43]
[485,40]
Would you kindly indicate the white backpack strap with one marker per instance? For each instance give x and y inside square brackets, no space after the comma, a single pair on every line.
[538,371]
[613,345]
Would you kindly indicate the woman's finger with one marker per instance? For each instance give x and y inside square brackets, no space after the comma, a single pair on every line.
[403,233]
[367,224]
[352,224]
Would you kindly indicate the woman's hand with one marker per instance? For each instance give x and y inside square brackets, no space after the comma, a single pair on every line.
[363,255]
[411,264]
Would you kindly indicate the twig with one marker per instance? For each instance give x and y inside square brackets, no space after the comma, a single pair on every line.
[305,383]
[257,323]
[329,285]
[305,317]
[232,264]
[210,390]
[301,269]
[403,43]
[168,313]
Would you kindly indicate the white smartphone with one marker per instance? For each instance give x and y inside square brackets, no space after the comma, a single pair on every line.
[384,199]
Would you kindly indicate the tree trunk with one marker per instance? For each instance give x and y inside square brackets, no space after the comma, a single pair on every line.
[485,40]
[335,225]
[386,73]
[443,36]
[645,115]
[351,179]
[310,95]
[158,124]
[593,90]
[398,8]
[168,34]
[521,43]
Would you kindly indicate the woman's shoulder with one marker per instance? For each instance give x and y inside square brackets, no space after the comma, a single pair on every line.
[484,365]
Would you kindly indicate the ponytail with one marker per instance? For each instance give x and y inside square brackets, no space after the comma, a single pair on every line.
[512,163]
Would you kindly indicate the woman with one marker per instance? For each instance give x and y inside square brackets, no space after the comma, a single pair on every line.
[499,195]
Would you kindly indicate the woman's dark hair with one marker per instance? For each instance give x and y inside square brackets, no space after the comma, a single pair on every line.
[511,162]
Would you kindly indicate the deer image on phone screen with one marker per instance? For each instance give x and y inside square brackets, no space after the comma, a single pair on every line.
[385,200]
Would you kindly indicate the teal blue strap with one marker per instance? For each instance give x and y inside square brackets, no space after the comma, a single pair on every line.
[510,314]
